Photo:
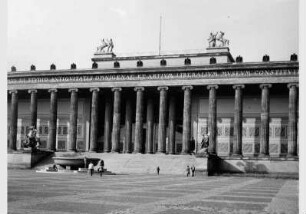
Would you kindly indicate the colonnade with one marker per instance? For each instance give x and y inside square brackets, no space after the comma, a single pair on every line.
[112,134]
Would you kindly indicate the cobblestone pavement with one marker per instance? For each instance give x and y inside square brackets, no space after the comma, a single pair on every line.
[31,192]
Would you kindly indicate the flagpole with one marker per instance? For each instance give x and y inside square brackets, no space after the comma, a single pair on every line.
[160,22]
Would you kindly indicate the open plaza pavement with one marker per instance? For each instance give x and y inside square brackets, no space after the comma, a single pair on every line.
[32,192]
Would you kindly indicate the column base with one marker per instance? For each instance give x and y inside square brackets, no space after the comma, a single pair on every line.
[106,151]
[236,156]
[160,152]
[263,156]
[71,150]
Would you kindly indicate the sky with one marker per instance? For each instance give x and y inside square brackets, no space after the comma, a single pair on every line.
[42,32]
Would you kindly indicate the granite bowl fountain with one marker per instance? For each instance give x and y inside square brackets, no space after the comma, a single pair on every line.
[74,162]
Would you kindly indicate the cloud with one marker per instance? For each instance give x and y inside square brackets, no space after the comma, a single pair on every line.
[119,11]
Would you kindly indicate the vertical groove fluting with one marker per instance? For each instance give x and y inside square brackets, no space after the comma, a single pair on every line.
[116,120]
[264,128]
[73,119]
[292,120]
[53,120]
[14,118]
[186,119]
[94,120]
[150,125]
[33,107]
[139,121]
[162,119]
[237,146]
[212,119]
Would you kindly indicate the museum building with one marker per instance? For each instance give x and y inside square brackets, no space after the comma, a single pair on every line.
[160,104]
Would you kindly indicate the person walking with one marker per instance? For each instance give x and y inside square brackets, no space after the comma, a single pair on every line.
[188,171]
[193,171]
[91,168]
[101,167]
[157,170]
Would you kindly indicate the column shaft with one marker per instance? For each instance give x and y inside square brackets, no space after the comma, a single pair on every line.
[212,119]
[162,120]
[53,120]
[14,118]
[186,120]
[150,125]
[107,125]
[73,120]
[172,124]
[139,121]
[264,128]
[116,120]
[237,146]
[94,120]
[33,108]
[292,120]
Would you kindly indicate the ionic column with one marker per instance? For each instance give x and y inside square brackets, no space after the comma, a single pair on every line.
[264,128]
[212,119]
[162,119]
[237,145]
[172,124]
[53,120]
[186,119]
[150,125]
[128,126]
[33,107]
[73,119]
[107,125]
[14,117]
[94,119]
[116,119]
[292,120]
[139,120]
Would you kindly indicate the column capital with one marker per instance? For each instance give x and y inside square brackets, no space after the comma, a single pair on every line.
[212,86]
[73,89]
[139,89]
[117,89]
[185,87]
[13,91]
[292,84]
[52,90]
[238,86]
[265,86]
[160,88]
[32,91]
[94,89]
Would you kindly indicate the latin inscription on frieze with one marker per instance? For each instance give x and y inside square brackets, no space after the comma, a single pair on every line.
[152,76]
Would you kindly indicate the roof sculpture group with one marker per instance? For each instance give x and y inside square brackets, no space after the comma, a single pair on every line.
[214,40]
[217,37]
[106,46]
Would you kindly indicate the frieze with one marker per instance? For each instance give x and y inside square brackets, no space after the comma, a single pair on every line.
[152,76]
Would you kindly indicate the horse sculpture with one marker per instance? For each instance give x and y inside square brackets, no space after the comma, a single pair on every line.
[107,45]
[222,40]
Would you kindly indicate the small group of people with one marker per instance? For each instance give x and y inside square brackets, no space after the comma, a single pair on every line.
[32,140]
[190,169]
[100,168]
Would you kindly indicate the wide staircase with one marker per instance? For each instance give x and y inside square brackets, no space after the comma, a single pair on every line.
[140,163]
